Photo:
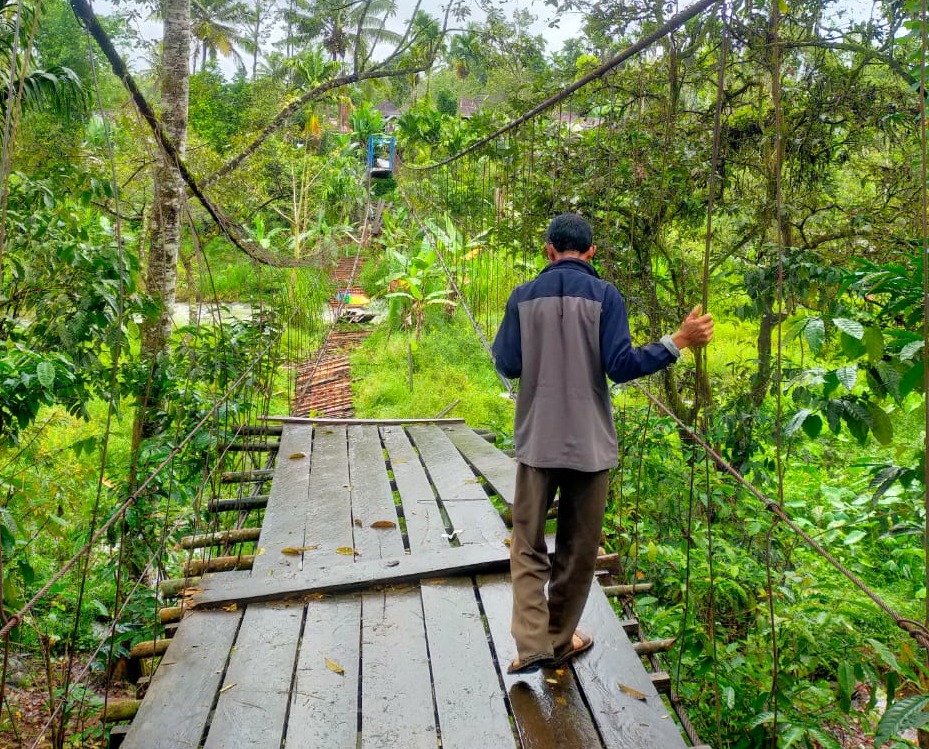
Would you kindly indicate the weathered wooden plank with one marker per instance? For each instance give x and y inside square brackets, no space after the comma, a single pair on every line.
[372,498]
[624,721]
[177,705]
[473,517]
[232,587]
[327,421]
[328,514]
[547,705]
[396,700]
[495,466]
[471,709]
[253,700]
[424,523]
[324,703]
[283,526]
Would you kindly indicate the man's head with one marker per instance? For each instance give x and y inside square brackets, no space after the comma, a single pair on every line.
[571,235]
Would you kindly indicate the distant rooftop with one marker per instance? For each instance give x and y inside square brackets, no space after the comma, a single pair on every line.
[388,111]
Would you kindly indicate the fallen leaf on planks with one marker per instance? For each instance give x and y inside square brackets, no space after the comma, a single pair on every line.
[298,549]
[297,456]
[335,667]
[383,524]
[227,687]
[230,607]
[347,551]
[359,522]
[632,692]
[550,680]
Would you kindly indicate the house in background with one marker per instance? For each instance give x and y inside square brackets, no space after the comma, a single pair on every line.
[389,113]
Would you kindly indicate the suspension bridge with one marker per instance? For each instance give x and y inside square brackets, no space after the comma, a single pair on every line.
[352,591]
[376,614]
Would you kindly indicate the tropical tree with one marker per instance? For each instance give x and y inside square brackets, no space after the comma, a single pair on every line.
[167,210]
[466,56]
[341,28]
[216,26]
[257,22]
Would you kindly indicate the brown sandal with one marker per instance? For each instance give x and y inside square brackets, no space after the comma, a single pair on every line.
[580,641]
[529,665]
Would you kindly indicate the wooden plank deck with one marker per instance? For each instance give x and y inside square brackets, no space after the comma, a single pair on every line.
[377,616]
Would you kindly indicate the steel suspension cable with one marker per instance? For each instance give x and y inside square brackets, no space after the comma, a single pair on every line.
[924,231]
[916,630]
[673,23]
[131,499]
[451,277]
[780,248]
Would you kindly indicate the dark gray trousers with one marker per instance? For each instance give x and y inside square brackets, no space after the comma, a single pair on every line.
[544,625]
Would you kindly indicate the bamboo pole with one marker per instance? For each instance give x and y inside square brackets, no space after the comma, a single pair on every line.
[221,538]
[627,590]
[649,647]
[219,564]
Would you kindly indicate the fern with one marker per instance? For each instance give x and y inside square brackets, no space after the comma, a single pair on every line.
[902,715]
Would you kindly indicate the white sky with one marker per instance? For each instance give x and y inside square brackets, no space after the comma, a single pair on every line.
[569,25]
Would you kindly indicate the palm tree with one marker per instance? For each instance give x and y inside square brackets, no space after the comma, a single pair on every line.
[215,27]
[257,24]
[464,52]
[341,27]
[56,86]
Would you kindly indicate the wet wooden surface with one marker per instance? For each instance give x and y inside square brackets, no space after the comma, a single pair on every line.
[392,666]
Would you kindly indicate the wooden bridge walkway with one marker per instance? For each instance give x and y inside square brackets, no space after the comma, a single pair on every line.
[376,616]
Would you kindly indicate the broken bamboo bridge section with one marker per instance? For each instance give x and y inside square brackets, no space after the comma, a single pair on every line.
[375,613]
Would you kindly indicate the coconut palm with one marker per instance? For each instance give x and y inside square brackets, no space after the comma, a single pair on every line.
[341,28]
[216,26]
[56,87]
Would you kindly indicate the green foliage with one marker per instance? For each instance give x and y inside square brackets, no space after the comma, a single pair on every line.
[903,715]
[446,102]
[218,109]
[69,294]
[365,121]
[414,278]
[448,366]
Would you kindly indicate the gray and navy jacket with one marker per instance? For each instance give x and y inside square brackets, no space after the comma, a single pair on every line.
[562,335]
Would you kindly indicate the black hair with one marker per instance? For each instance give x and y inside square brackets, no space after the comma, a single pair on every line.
[569,232]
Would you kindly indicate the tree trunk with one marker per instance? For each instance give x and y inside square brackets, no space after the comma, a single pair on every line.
[167,209]
[166,216]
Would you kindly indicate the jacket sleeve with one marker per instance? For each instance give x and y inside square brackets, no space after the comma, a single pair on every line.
[621,360]
[507,347]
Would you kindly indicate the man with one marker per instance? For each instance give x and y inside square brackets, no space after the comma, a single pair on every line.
[562,335]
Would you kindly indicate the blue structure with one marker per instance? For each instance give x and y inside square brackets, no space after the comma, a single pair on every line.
[376,147]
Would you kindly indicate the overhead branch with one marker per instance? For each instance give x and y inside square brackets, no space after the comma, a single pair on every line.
[869,53]
[284,115]
[86,16]
[382,70]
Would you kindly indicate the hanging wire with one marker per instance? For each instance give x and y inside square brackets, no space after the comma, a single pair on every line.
[780,246]
[114,374]
[924,230]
